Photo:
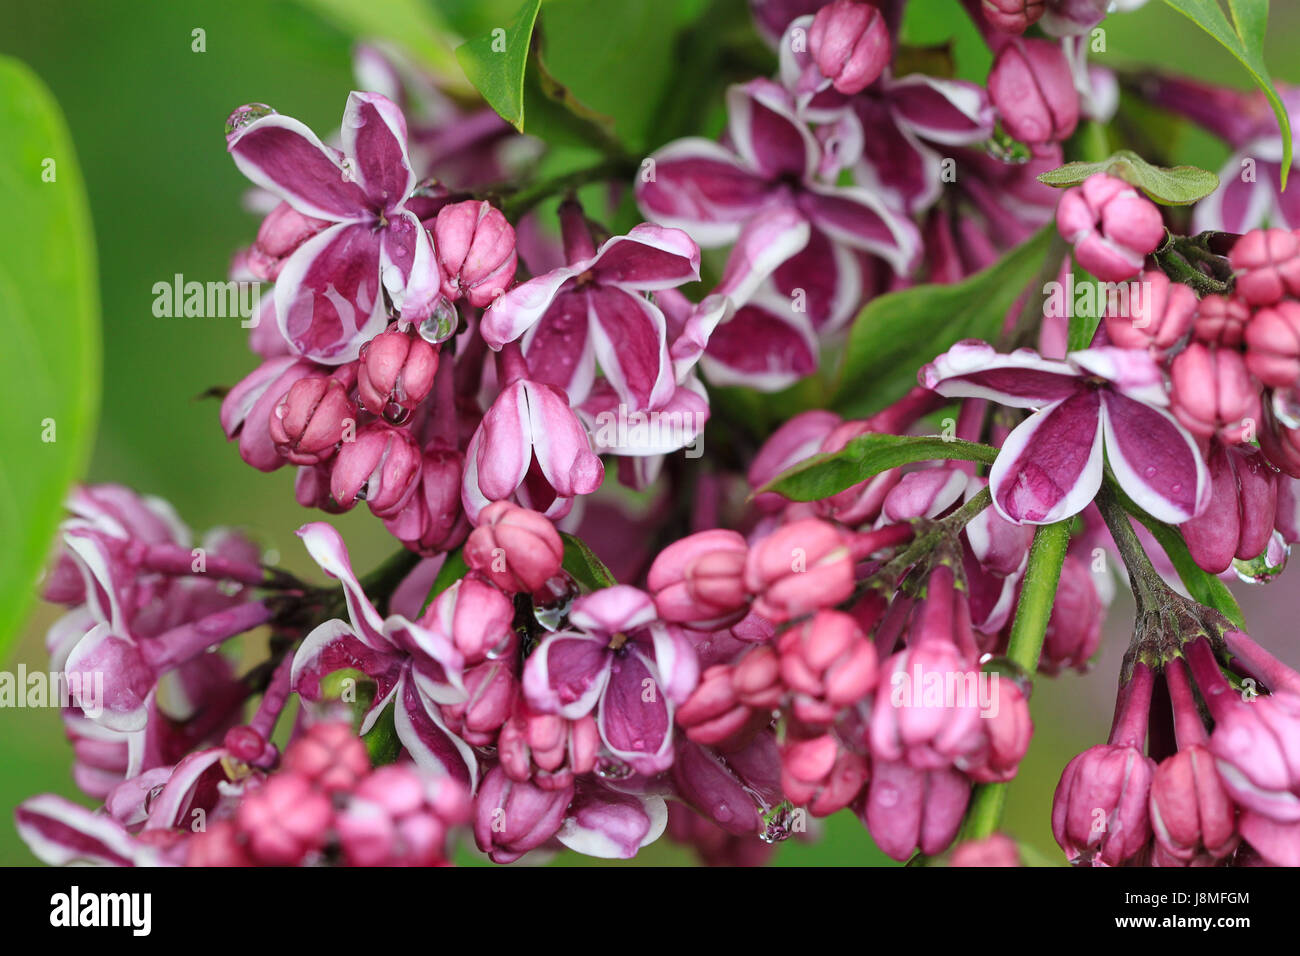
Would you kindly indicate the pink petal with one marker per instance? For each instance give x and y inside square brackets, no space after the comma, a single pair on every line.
[281,154]
[701,187]
[767,134]
[858,218]
[648,258]
[566,674]
[374,137]
[1020,379]
[629,335]
[1050,466]
[1154,460]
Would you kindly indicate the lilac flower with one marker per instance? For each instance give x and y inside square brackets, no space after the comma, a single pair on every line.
[414,668]
[610,825]
[595,309]
[713,191]
[622,662]
[1050,466]
[328,299]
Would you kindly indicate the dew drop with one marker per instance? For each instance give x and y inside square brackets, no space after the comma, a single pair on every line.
[439,326]
[245,116]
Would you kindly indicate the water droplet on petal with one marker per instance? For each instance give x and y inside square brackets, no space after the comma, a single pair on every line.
[440,326]
[245,116]
[1149,471]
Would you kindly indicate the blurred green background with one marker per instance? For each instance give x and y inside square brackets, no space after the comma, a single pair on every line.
[146,116]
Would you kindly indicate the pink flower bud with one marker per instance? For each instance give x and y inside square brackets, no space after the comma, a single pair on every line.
[699,581]
[285,819]
[1257,749]
[1214,393]
[1158,316]
[1031,85]
[821,775]
[756,676]
[733,790]
[1221,320]
[476,249]
[400,817]
[829,664]
[995,850]
[381,468]
[1267,265]
[475,616]
[221,844]
[1012,16]
[246,411]
[515,548]
[1280,444]
[395,374]
[798,568]
[1273,345]
[491,686]
[927,493]
[434,520]
[906,809]
[1074,628]
[1099,811]
[546,748]
[1192,817]
[514,817]
[850,43]
[282,231]
[714,714]
[329,755]
[1243,501]
[1008,728]
[311,418]
[1111,226]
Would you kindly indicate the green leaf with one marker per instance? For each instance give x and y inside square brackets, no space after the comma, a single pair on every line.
[898,333]
[829,473]
[49,323]
[1244,38]
[382,742]
[452,570]
[1084,322]
[411,24]
[557,116]
[496,61]
[583,565]
[1170,186]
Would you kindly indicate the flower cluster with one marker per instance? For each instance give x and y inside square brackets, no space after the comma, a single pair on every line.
[831,613]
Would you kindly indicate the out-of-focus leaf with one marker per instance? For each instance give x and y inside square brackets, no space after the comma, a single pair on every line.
[1170,186]
[49,323]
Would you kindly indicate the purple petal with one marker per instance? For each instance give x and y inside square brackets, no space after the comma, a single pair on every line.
[409,268]
[1154,459]
[501,448]
[766,345]
[894,163]
[629,336]
[281,154]
[1237,206]
[1020,379]
[59,833]
[635,716]
[374,137]
[426,738]
[110,680]
[327,298]
[831,277]
[566,674]
[1050,466]
[859,219]
[171,807]
[333,646]
[326,547]
[559,347]
[1133,371]
[648,258]
[518,310]
[610,825]
[767,134]
[951,112]
[612,610]
[703,188]
[769,239]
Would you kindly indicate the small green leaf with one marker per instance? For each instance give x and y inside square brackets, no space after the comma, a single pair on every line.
[453,569]
[1083,322]
[1170,186]
[583,565]
[496,61]
[49,323]
[898,333]
[829,473]
[382,742]
[1244,39]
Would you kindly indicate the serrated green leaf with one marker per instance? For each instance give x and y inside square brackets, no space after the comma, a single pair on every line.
[1244,38]
[829,473]
[496,62]
[1169,186]
[49,323]
[895,334]
[583,565]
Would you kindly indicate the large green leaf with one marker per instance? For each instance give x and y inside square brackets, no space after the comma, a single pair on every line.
[1171,186]
[413,24]
[829,473]
[1244,38]
[898,333]
[496,61]
[49,323]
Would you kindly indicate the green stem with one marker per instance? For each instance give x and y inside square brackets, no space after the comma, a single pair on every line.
[520,202]
[1148,587]
[926,542]
[380,583]
[1037,595]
